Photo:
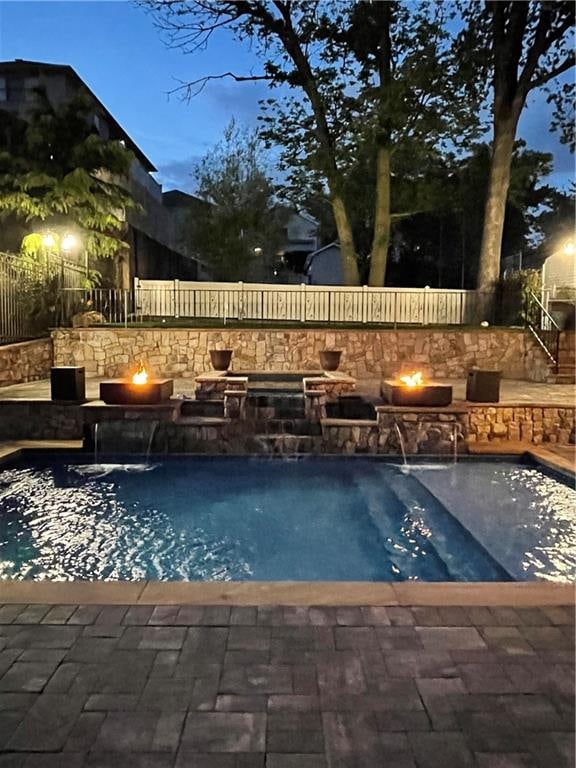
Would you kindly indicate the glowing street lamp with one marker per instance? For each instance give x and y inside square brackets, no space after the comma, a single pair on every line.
[48,240]
[68,242]
[569,248]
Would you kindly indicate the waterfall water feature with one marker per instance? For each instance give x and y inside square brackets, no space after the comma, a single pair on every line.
[401,441]
[153,428]
[124,437]
[455,435]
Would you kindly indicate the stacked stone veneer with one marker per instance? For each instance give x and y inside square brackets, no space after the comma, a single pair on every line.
[431,432]
[181,352]
[26,361]
[427,432]
[40,420]
[434,431]
[530,424]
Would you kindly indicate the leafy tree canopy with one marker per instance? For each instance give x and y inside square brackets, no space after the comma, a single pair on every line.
[57,173]
[242,226]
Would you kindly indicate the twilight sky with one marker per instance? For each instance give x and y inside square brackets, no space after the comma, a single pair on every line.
[115,48]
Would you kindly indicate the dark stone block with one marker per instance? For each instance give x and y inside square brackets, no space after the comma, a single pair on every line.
[68,384]
[426,396]
[123,392]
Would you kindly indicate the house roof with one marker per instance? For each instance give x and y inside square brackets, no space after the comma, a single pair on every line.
[176,198]
[312,256]
[20,66]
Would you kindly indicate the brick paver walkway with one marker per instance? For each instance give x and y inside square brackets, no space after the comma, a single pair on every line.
[272,687]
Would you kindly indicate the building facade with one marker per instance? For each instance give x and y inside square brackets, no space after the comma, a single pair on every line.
[156,235]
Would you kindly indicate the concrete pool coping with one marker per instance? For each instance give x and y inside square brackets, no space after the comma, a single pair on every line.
[300,593]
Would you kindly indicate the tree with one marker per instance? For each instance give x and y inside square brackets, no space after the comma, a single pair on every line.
[57,173]
[441,246]
[356,80]
[517,47]
[241,228]
[414,100]
[284,32]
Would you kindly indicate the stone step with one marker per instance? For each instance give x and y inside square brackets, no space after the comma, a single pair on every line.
[201,421]
[286,426]
[562,378]
[351,407]
[283,444]
[202,408]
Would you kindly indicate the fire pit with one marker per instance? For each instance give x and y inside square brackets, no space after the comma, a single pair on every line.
[414,391]
[139,390]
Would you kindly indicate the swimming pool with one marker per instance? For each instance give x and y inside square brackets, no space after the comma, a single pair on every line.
[242,518]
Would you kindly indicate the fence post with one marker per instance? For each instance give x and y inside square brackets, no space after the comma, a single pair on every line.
[125,307]
[176,299]
[364,303]
[241,300]
[425,296]
[302,302]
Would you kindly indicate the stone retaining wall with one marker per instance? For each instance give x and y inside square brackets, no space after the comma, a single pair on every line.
[40,420]
[371,353]
[530,424]
[427,432]
[26,361]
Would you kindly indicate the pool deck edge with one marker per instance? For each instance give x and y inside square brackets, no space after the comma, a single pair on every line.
[288,593]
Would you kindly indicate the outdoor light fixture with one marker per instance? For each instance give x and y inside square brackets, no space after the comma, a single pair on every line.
[258,251]
[569,248]
[48,240]
[68,242]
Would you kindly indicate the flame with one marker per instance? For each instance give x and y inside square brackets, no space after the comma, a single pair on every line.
[414,380]
[141,375]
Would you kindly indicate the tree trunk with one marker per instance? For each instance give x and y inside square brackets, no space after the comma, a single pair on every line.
[381,240]
[496,197]
[346,238]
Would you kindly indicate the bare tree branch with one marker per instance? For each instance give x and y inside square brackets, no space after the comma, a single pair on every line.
[195,87]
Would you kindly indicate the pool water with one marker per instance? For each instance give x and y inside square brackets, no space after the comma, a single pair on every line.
[224,518]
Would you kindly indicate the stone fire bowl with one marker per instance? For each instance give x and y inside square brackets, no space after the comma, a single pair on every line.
[124,392]
[430,395]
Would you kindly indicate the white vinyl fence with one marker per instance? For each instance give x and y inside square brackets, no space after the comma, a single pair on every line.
[305,303]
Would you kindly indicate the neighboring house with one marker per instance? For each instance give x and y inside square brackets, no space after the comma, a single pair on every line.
[302,239]
[154,237]
[184,208]
[324,266]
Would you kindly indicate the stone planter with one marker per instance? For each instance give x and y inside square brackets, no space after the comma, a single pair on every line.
[221,359]
[330,359]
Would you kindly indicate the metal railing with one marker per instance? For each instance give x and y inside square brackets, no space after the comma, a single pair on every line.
[29,292]
[110,305]
[543,326]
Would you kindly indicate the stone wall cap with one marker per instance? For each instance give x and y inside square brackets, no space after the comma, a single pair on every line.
[167,405]
[328,379]
[348,422]
[421,409]
[27,343]
[355,327]
[521,404]
[201,421]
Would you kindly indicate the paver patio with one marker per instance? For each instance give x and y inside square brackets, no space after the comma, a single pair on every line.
[166,686]
[511,390]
